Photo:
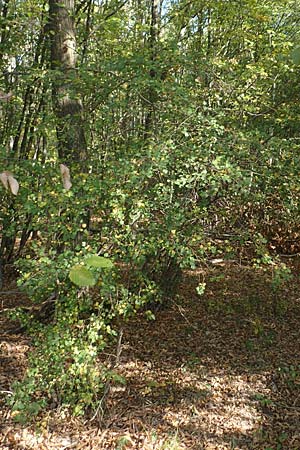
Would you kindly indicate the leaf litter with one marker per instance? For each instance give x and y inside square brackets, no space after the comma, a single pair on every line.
[217,371]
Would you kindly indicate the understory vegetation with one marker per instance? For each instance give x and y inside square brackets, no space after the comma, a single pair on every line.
[139,139]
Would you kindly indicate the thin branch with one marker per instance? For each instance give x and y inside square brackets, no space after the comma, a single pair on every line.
[12,291]
[99,413]
[117,9]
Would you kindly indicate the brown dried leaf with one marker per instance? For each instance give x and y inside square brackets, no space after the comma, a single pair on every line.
[9,182]
[66,178]
[4,179]
[13,184]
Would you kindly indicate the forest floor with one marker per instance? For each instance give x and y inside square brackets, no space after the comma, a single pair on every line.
[220,371]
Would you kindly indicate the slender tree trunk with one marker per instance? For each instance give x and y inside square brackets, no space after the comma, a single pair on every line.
[152,92]
[67,104]
[88,25]
[3,29]
[66,98]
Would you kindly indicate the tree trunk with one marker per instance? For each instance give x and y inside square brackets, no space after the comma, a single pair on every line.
[66,98]
[152,92]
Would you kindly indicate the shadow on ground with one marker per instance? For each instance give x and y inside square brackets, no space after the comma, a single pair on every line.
[220,371]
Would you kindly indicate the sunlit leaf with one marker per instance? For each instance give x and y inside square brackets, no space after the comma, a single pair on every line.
[81,276]
[99,262]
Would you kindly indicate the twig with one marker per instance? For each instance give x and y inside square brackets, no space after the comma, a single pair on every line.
[294,407]
[12,291]
[6,392]
[181,312]
[119,350]
[99,413]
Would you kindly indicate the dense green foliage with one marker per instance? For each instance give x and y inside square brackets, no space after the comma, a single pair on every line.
[190,116]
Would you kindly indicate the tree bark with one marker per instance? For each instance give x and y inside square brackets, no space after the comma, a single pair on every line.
[67,103]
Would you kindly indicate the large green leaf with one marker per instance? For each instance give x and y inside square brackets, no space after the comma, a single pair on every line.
[99,261]
[81,276]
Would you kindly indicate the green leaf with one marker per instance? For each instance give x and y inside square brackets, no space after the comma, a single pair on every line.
[200,289]
[20,418]
[295,55]
[34,408]
[149,314]
[118,378]
[99,262]
[123,442]
[81,276]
